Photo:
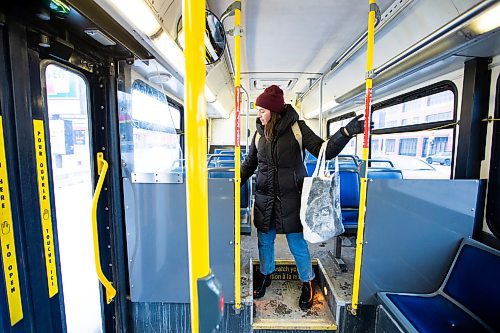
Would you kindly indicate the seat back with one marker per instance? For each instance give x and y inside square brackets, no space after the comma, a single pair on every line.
[349,199]
[225,163]
[228,172]
[473,281]
[384,173]
[349,188]
[244,195]
[310,163]
[220,173]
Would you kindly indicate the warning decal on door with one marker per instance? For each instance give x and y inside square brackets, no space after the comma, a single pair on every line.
[45,213]
[7,241]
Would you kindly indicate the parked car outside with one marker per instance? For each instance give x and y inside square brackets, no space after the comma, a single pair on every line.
[443,158]
[414,168]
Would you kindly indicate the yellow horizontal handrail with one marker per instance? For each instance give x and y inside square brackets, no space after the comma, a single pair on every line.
[102,168]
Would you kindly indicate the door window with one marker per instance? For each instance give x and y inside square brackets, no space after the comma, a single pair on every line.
[67,98]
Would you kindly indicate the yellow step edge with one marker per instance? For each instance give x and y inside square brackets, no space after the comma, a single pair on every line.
[255,261]
[284,324]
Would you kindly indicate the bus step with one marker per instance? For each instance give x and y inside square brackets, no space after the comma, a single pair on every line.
[279,310]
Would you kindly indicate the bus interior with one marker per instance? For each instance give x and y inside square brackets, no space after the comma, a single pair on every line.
[124,125]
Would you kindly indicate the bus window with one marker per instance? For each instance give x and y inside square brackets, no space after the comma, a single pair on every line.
[415,132]
[148,130]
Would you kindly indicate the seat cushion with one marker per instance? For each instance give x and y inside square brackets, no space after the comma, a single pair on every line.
[434,314]
[475,283]
[350,218]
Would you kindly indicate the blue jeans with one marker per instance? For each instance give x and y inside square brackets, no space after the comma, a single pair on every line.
[298,247]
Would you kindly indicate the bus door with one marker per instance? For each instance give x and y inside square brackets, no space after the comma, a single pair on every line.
[79,109]
[16,308]
[58,110]
[32,288]
[67,113]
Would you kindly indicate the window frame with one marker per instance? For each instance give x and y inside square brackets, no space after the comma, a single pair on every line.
[492,215]
[416,94]
[340,118]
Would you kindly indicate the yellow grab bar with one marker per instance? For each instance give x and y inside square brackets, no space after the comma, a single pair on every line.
[237,158]
[102,168]
[193,21]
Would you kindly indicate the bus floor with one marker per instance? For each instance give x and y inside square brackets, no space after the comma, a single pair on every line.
[279,307]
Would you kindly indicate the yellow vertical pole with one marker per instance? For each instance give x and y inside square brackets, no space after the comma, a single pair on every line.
[237,159]
[193,16]
[366,147]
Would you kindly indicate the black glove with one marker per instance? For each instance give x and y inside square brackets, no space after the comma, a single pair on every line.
[355,126]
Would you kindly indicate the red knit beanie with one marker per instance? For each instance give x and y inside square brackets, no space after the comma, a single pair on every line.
[271,99]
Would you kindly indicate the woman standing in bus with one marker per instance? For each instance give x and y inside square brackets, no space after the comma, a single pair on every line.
[279,182]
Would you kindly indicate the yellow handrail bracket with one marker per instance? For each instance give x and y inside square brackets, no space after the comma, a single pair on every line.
[102,167]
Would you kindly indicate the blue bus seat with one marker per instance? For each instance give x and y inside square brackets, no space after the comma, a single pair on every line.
[467,301]
[225,157]
[384,173]
[229,152]
[220,173]
[245,218]
[244,201]
[349,203]
[310,165]
[349,199]
[228,172]
[225,163]
[345,161]
[214,158]
[223,151]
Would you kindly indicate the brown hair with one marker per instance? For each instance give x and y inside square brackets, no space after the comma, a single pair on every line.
[269,127]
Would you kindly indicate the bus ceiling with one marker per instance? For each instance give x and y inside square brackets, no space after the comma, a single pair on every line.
[328,50]
[81,23]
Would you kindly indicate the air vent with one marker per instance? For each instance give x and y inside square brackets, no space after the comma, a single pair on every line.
[261,84]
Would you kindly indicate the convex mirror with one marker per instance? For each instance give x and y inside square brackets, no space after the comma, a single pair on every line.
[215,37]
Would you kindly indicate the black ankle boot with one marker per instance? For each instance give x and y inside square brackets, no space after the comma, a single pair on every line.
[260,284]
[307,297]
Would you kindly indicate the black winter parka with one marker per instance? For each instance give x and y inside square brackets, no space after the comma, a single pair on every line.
[281,171]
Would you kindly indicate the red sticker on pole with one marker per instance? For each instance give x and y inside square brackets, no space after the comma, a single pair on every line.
[237,103]
[368,102]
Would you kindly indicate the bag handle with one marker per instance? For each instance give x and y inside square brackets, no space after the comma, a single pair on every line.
[320,162]
[337,164]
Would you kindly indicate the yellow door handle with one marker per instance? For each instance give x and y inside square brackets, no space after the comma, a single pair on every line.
[102,168]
